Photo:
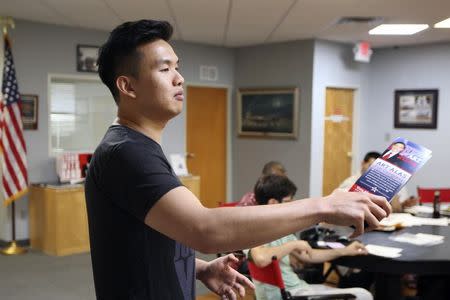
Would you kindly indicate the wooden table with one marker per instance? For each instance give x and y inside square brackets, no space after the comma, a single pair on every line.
[57,219]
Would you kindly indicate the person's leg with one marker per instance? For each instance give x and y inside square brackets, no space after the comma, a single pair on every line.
[320,289]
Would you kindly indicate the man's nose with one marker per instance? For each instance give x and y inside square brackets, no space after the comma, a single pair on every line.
[179,80]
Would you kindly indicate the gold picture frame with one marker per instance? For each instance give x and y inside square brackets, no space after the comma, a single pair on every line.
[268,112]
[29,110]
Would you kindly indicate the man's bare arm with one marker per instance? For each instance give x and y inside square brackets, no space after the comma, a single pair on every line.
[181,216]
[262,255]
[322,255]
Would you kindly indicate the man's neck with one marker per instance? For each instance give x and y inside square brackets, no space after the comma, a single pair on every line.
[149,128]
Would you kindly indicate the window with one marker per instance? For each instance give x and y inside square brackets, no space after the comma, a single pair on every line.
[81,110]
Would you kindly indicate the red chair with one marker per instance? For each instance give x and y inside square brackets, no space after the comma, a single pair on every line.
[426,195]
[228,204]
[271,274]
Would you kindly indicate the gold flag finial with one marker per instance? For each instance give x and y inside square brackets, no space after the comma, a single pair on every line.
[6,22]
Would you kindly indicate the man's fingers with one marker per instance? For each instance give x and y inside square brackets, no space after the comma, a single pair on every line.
[231,258]
[359,228]
[371,221]
[230,294]
[381,202]
[377,211]
[245,281]
[240,289]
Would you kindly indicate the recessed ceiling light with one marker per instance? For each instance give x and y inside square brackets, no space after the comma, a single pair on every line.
[443,24]
[398,29]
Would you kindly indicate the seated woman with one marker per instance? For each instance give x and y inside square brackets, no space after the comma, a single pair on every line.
[275,189]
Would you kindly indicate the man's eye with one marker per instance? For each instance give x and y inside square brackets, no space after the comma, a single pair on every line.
[165,70]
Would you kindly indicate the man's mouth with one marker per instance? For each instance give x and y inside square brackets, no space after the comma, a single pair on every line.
[179,96]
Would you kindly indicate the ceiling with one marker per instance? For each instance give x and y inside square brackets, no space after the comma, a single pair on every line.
[235,23]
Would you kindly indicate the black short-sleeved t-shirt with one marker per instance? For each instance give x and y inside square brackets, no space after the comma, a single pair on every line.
[128,174]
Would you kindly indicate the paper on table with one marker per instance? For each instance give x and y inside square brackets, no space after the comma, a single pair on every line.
[416,209]
[407,220]
[397,218]
[431,221]
[418,239]
[384,251]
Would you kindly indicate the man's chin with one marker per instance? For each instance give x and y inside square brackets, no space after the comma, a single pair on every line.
[175,112]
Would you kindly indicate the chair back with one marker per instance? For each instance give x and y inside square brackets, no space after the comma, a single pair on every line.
[270,274]
[426,195]
[228,204]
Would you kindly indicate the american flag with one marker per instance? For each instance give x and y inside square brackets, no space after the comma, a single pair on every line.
[12,143]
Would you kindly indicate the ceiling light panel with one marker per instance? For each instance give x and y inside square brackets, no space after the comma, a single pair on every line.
[443,24]
[398,29]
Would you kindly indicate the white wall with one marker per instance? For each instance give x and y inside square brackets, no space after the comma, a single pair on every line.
[420,67]
[265,66]
[334,67]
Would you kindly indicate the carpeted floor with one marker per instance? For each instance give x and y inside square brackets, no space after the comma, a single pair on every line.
[36,276]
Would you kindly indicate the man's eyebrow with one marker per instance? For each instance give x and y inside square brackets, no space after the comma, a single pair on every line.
[167,61]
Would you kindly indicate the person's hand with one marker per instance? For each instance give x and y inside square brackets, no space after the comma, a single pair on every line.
[295,262]
[355,209]
[355,248]
[411,201]
[303,247]
[222,279]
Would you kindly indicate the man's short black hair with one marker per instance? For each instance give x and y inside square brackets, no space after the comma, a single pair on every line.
[273,186]
[372,154]
[119,55]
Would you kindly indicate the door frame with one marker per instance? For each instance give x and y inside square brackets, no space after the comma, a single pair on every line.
[229,154]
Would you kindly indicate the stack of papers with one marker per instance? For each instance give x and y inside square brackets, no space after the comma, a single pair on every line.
[418,239]
[407,220]
[384,251]
[419,209]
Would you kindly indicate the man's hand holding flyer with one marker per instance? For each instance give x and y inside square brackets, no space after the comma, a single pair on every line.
[390,172]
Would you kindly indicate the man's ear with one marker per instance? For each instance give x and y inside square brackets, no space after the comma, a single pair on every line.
[273,201]
[125,86]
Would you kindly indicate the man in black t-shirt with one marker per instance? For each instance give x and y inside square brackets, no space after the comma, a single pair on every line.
[143,223]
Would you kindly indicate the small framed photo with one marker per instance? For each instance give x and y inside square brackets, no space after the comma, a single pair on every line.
[29,106]
[87,58]
[271,113]
[416,109]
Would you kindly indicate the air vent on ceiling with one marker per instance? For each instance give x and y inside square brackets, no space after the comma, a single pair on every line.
[359,20]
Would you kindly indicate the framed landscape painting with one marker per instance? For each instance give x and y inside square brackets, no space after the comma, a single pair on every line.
[271,113]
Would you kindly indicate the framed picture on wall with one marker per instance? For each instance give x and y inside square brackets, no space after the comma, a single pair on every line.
[271,113]
[87,58]
[416,109]
[29,111]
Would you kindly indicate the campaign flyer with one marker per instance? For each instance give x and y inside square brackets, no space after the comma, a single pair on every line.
[389,173]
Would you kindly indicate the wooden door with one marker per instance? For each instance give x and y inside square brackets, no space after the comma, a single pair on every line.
[206,111]
[337,138]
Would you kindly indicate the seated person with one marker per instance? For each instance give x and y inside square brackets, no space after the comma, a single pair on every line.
[275,189]
[399,202]
[272,167]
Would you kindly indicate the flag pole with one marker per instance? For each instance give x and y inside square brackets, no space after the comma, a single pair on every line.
[12,248]
[5,23]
